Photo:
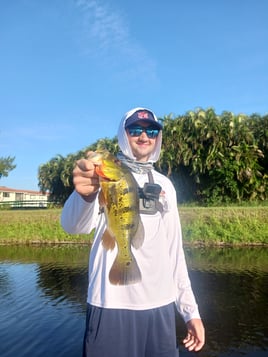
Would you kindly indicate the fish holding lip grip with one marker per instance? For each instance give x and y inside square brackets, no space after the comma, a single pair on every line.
[119,196]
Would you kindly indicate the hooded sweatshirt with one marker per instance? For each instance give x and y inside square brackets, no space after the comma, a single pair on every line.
[161,260]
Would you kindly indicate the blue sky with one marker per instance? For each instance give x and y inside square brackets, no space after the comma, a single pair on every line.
[70,69]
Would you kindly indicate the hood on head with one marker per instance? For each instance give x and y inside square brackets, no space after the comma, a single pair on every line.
[123,140]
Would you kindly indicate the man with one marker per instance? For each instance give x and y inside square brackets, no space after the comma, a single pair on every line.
[136,320]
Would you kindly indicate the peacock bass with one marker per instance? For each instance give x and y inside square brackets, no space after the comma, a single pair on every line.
[120,199]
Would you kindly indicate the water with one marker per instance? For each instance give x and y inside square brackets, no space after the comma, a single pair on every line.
[43,294]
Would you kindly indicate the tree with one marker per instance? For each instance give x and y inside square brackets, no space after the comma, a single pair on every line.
[214,159]
[259,126]
[6,165]
[51,178]
[210,158]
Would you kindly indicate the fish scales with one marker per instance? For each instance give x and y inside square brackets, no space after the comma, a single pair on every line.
[119,196]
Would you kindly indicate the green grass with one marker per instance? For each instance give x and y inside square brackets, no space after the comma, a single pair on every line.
[205,226]
[35,226]
[225,225]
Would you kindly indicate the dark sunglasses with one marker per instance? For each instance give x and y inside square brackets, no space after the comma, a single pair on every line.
[138,130]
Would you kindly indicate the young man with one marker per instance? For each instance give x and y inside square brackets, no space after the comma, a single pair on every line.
[135,320]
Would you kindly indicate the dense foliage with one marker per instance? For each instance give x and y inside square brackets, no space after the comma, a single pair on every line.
[210,158]
[215,159]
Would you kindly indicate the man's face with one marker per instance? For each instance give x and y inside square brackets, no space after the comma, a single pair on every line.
[142,146]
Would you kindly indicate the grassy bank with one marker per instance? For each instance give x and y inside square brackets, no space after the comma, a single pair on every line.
[225,225]
[207,226]
[35,226]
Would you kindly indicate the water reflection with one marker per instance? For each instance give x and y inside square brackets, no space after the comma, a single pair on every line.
[61,282]
[43,292]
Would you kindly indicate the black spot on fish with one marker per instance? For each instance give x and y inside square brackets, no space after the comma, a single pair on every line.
[126,191]
[128,226]
[125,209]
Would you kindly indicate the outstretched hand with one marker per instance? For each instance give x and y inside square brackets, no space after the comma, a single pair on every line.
[195,338]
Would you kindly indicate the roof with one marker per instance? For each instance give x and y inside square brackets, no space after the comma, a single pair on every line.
[8,189]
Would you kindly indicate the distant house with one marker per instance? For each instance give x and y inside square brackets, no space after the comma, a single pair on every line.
[22,198]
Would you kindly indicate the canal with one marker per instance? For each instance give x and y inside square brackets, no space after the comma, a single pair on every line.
[43,294]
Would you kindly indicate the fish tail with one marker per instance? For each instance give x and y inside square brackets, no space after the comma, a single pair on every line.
[124,272]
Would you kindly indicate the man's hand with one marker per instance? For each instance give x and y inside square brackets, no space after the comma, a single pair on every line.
[195,338]
[85,179]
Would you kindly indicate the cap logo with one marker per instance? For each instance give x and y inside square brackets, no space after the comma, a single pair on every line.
[143,115]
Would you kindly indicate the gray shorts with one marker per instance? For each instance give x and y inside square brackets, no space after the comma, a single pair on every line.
[128,333]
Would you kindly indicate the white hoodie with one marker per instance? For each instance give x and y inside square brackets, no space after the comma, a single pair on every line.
[160,258]
[123,140]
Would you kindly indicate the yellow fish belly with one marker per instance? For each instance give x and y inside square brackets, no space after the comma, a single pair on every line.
[123,227]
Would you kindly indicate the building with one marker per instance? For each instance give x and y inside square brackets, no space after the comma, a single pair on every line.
[17,198]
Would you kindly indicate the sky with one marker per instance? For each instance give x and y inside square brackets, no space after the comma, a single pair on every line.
[70,69]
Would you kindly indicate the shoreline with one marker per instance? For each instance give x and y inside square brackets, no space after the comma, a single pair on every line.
[201,226]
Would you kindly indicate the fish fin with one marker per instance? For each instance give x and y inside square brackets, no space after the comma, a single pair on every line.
[108,240]
[124,272]
[138,238]
[102,201]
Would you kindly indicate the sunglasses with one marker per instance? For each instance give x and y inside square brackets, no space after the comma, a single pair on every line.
[138,130]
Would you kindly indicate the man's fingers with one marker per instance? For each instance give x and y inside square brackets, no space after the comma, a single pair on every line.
[85,179]
[84,165]
[192,343]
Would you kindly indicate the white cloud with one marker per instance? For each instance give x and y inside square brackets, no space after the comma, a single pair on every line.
[107,37]
[103,24]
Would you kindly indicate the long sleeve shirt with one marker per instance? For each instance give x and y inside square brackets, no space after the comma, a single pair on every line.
[160,259]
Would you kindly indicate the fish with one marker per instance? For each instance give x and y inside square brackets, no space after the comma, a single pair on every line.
[120,199]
